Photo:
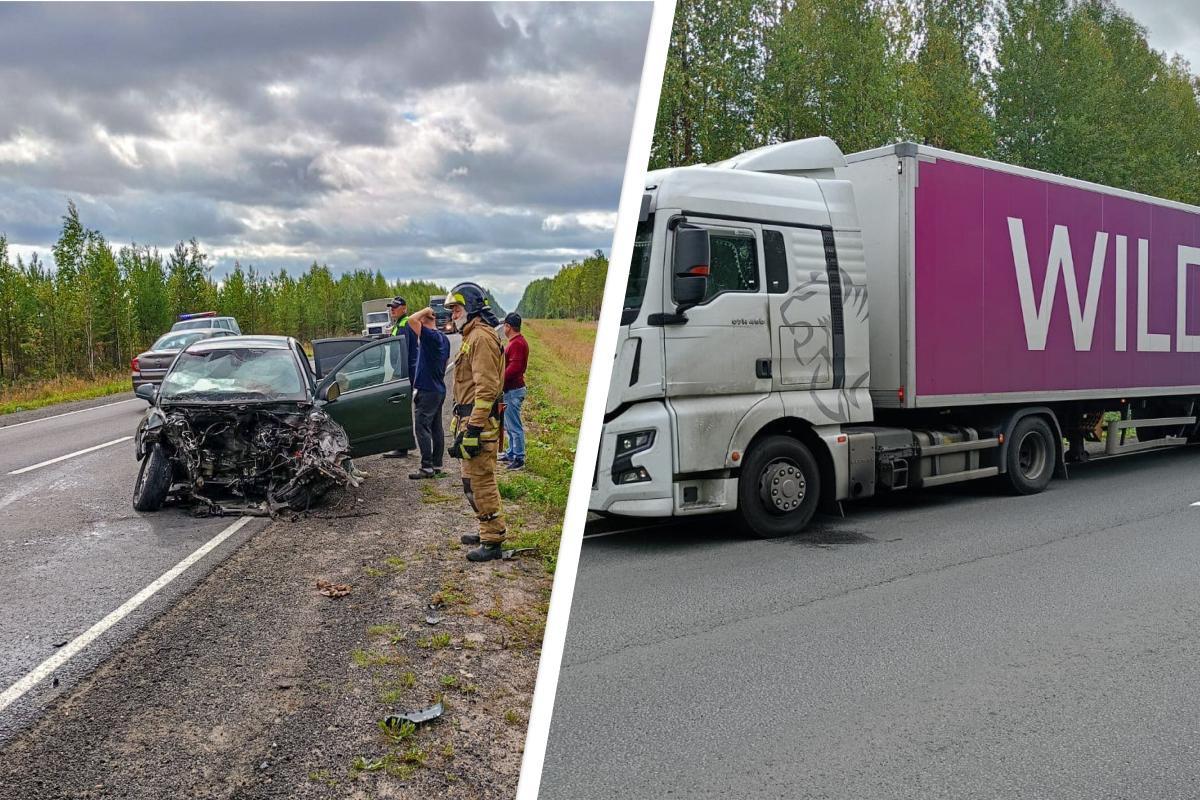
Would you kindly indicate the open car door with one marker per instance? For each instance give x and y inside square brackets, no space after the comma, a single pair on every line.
[373,399]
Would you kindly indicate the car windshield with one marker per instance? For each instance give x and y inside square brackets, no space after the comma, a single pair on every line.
[639,271]
[234,374]
[206,322]
[177,341]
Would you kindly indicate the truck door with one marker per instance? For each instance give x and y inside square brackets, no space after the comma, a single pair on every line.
[724,347]
[798,291]
[375,403]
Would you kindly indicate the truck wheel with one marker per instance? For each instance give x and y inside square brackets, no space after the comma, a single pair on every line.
[779,488]
[153,481]
[1031,455]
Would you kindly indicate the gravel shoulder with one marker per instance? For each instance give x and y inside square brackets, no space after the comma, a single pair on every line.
[255,685]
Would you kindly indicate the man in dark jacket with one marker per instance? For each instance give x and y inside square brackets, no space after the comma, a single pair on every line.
[516,358]
[398,308]
[429,385]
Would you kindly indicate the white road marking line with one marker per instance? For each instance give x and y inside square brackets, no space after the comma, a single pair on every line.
[70,455]
[68,651]
[66,414]
[1195,505]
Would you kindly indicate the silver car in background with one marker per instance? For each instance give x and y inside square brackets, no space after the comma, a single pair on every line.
[150,367]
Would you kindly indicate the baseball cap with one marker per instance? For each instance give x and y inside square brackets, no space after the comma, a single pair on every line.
[514,319]
[396,302]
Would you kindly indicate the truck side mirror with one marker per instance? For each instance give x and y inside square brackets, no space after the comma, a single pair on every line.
[690,283]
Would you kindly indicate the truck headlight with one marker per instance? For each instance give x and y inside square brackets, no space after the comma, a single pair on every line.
[636,442]
[628,444]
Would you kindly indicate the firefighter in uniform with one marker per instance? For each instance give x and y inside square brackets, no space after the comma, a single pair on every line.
[478,380]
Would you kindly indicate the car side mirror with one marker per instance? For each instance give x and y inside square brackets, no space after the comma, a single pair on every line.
[148,392]
[329,392]
[690,282]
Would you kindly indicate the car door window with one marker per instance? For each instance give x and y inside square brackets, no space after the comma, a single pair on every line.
[381,363]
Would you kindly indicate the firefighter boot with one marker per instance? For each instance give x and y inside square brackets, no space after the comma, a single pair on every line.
[486,552]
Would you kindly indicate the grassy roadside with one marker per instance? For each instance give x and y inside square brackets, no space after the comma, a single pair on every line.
[560,355]
[25,396]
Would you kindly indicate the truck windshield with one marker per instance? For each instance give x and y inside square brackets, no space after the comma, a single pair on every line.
[639,271]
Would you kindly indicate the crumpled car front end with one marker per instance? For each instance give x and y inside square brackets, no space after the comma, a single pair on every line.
[245,458]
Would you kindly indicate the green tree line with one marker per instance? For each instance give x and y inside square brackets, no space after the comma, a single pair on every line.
[99,306]
[1067,86]
[576,292]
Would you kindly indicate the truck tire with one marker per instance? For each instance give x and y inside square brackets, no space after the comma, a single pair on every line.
[153,481]
[1030,457]
[779,488]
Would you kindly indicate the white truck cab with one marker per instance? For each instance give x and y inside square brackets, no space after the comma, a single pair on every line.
[778,339]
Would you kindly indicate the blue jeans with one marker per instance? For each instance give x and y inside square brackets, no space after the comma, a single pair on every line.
[513,429]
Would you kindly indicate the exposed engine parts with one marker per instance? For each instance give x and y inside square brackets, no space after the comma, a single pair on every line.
[231,459]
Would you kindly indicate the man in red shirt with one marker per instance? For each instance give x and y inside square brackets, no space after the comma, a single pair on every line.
[516,357]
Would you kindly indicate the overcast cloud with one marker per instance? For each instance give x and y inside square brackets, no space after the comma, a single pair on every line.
[1172,26]
[440,141]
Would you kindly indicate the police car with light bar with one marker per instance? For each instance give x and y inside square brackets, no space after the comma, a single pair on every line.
[206,319]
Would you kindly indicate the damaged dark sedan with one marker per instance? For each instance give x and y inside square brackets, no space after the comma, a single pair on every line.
[243,425]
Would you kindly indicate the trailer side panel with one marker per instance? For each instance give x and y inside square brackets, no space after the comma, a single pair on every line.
[1029,287]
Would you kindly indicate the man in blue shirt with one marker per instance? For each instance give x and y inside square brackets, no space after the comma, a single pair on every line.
[398,308]
[429,385]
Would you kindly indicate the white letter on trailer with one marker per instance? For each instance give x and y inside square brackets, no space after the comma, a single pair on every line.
[1147,342]
[1037,319]
[1120,302]
[1185,343]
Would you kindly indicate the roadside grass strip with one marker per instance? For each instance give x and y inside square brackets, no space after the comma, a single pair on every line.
[535,499]
[26,396]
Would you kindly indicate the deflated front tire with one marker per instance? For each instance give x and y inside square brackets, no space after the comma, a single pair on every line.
[153,480]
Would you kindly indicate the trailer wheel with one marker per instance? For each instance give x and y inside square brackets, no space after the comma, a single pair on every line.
[779,488]
[153,481]
[1031,455]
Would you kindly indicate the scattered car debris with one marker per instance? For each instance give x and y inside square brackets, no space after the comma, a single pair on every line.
[269,460]
[432,619]
[415,717]
[509,555]
[330,589]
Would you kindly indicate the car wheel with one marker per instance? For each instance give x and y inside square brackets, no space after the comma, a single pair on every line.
[1030,458]
[153,481]
[779,488]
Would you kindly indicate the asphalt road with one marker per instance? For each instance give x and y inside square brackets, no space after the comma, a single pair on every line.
[953,644]
[72,549]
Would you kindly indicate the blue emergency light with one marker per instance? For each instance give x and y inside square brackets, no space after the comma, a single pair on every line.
[197,315]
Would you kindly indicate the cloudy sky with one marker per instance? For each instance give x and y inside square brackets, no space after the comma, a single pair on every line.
[442,141]
[1173,26]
